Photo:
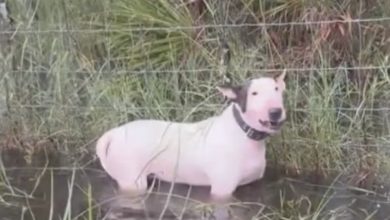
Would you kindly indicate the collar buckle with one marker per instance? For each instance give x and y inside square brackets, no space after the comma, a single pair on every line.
[251,133]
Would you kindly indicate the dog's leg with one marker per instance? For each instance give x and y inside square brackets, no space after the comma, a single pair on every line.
[222,189]
[221,197]
[131,191]
[133,184]
[223,181]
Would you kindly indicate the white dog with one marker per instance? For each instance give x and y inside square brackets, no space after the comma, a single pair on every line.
[223,151]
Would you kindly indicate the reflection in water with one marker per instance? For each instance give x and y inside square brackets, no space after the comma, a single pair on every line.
[54,192]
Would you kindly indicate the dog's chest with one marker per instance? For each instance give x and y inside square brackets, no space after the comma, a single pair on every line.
[253,164]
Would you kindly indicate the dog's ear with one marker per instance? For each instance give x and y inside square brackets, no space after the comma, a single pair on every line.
[279,79]
[237,94]
[229,91]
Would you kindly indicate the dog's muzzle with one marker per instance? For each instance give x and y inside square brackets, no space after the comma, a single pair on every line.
[273,125]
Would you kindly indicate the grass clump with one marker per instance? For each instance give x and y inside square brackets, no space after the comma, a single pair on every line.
[153,34]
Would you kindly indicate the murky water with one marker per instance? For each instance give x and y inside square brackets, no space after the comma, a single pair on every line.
[51,189]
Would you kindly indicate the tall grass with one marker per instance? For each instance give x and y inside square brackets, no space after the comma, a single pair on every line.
[158,48]
[69,77]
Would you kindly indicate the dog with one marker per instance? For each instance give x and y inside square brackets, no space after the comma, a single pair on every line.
[223,152]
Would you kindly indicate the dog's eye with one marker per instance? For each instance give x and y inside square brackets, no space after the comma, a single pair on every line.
[276,88]
[254,93]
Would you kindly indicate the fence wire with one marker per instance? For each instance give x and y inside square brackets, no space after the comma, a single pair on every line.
[383,68]
[207,107]
[360,69]
[204,26]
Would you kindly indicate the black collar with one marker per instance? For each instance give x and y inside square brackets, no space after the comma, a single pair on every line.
[250,132]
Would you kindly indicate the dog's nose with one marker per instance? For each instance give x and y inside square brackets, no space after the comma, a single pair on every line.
[275,114]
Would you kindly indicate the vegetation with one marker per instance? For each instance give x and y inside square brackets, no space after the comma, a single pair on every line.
[78,67]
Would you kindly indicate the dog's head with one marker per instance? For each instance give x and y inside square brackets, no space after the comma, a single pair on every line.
[260,101]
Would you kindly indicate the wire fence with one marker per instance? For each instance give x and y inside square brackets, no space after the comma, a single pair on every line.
[203,107]
[205,26]
[380,107]
[63,86]
[383,68]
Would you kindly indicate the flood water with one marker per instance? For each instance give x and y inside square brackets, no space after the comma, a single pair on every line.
[50,188]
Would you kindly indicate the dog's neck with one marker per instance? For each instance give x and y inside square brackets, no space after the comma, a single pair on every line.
[250,132]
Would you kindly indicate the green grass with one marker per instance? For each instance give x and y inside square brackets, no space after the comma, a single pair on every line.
[73,85]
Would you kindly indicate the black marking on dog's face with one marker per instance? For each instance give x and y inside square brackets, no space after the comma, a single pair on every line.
[241,93]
